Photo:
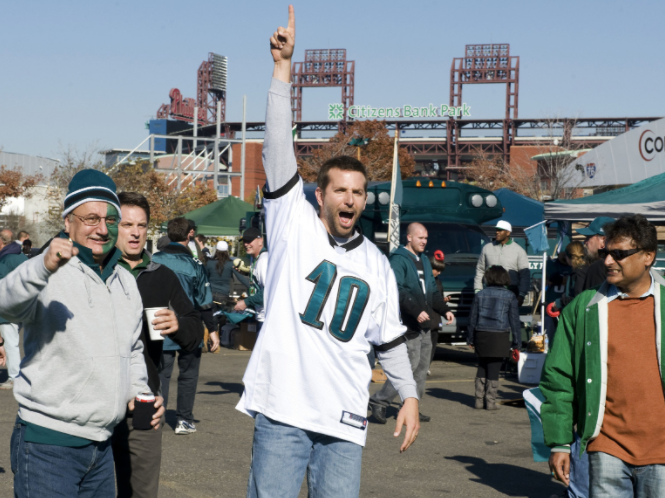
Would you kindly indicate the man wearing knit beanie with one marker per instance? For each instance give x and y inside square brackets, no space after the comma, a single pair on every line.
[83,366]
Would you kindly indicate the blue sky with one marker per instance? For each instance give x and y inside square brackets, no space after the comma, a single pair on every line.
[85,74]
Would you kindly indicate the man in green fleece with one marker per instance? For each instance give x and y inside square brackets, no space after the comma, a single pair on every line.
[418,298]
[83,366]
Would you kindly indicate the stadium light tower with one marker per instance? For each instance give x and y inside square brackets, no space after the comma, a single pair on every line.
[322,68]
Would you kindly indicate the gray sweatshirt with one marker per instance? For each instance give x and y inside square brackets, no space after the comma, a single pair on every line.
[83,354]
[513,259]
[280,165]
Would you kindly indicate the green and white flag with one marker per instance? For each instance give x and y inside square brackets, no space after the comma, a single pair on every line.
[395,199]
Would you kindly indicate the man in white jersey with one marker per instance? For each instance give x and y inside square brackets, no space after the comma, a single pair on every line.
[330,295]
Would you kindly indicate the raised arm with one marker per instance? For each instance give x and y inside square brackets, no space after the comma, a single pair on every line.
[279,160]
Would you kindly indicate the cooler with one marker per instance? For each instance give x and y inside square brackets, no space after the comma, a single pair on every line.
[529,367]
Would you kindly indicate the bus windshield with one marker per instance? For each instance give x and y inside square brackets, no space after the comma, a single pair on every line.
[451,238]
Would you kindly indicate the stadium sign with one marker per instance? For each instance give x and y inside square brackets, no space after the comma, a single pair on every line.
[628,158]
[336,112]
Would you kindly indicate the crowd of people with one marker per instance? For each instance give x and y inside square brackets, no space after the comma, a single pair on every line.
[104,322]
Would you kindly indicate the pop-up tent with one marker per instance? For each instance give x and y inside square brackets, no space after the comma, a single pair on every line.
[518,210]
[220,218]
[646,198]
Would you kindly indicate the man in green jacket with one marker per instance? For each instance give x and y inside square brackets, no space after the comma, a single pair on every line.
[603,378]
[418,298]
[10,258]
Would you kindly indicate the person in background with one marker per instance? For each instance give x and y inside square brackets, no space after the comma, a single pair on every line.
[22,236]
[418,297]
[594,242]
[137,453]
[556,277]
[26,248]
[10,258]
[253,242]
[220,272]
[576,258]
[203,251]
[505,252]
[438,266]
[493,320]
[193,278]
[192,244]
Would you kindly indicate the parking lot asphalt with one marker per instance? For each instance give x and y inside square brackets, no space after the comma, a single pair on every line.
[462,452]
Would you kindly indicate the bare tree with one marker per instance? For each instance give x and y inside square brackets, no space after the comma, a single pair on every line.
[550,178]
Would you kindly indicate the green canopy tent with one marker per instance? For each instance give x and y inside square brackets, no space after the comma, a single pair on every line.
[646,198]
[220,218]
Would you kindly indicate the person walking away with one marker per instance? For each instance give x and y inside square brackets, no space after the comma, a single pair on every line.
[505,252]
[604,374]
[594,242]
[253,242]
[137,453]
[493,322]
[10,258]
[192,275]
[437,262]
[418,298]
[84,365]
[306,384]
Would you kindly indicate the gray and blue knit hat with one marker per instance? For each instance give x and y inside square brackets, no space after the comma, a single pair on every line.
[90,185]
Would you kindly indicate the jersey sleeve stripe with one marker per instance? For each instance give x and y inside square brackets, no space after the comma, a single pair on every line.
[392,344]
[282,191]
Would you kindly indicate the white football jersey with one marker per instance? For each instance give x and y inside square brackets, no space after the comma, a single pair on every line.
[324,309]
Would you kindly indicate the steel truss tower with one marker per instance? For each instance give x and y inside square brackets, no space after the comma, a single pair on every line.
[322,68]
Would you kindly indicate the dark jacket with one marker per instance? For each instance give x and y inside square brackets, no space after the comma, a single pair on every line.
[10,258]
[573,285]
[436,317]
[495,309]
[412,300]
[595,275]
[158,287]
[194,280]
[220,282]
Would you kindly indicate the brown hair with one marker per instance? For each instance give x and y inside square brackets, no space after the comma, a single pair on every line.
[575,251]
[178,229]
[436,264]
[344,163]
[135,199]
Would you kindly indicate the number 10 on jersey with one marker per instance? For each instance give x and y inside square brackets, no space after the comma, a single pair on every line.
[352,298]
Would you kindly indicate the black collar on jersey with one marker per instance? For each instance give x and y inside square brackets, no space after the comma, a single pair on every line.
[349,246]
[283,190]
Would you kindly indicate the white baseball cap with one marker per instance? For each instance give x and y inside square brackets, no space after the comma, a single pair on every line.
[222,246]
[504,225]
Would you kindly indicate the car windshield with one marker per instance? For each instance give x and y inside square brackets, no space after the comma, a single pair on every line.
[451,238]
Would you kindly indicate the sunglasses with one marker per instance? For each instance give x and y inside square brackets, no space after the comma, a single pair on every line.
[617,254]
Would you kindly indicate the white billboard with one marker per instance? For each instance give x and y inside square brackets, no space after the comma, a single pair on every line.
[626,159]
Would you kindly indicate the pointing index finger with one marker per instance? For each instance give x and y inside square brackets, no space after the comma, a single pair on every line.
[292,19]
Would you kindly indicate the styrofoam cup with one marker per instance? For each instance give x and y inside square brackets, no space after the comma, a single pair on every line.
[150,316]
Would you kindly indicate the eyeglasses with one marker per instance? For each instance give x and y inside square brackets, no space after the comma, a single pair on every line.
[617,254]
[92,220]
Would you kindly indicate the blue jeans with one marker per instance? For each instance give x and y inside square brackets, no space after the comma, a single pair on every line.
[61,472]
[579,471]
[612,477]
[282,453]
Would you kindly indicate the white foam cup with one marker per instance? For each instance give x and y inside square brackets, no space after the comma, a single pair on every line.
[149,317]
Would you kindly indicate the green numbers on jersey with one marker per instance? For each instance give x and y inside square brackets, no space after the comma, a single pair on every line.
[352,298]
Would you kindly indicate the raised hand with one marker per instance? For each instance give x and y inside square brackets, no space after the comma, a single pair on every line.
[283,40]
[59,252]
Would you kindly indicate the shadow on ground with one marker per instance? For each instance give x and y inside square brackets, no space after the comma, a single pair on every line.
[226,388]
[462,398]
[510,480]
